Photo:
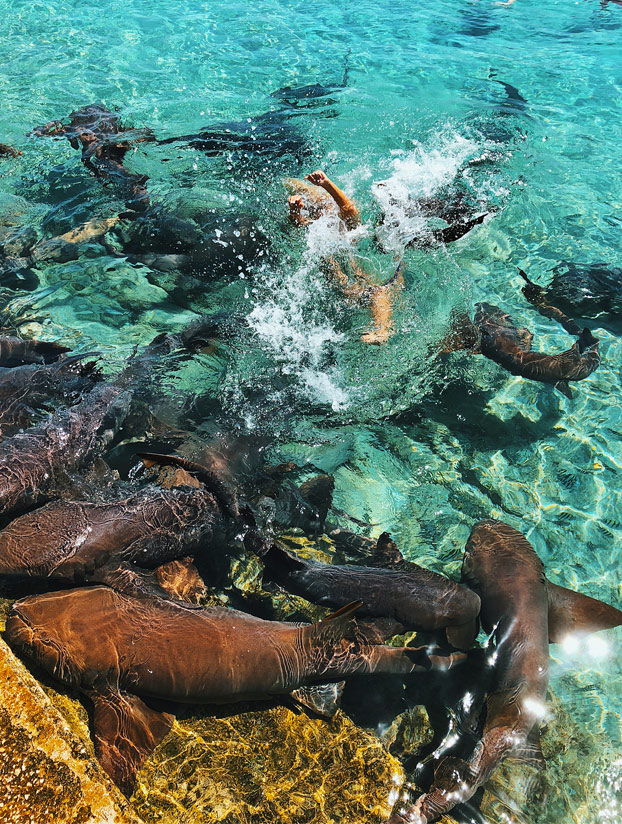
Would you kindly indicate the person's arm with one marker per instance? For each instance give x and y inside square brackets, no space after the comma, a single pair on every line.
[348,210]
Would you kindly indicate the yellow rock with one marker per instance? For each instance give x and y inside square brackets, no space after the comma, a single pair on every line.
[49,774]
[269,766]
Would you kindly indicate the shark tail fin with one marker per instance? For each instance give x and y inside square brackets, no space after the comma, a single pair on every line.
[322,699]
[532,291]
[571,612]
[587,340]
[126,731]
[220,490]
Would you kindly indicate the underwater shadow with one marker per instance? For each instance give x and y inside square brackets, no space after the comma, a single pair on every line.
[463,412]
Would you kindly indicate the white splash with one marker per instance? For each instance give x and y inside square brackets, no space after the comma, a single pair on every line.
[291,322]
[420,173]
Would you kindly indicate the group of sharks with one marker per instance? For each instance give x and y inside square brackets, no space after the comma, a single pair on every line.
[225,244]
[119,617]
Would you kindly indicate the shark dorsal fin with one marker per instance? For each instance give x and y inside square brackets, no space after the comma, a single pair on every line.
[387,555]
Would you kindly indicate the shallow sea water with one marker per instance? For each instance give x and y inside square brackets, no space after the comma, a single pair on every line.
[419,447]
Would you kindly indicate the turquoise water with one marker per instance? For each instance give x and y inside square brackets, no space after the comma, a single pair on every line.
[419,446]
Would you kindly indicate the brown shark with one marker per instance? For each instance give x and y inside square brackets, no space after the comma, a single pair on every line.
[494,335]
[31,461]
[104,143]
[81,542]
[17,352]
[23,389]
[415,597]
[123,652]
[510,347]
[525,612]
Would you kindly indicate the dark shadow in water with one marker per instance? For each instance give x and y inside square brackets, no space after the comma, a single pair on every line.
[463,411]
[454,702]
[476,22]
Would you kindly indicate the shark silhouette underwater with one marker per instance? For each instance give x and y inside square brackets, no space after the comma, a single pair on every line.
[313,93]
[269,136]
[494,334]
[525,612]
[414,597]
[125,652]
[104,143]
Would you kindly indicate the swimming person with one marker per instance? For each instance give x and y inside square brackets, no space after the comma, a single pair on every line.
[317,196]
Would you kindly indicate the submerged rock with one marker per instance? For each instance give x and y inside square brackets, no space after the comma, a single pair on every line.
[49,772]
[270,765]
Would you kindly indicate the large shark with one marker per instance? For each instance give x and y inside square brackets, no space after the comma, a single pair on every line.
[32,461]
[123,652]
[77,542]
[23,389]
[525,612]
[415,597]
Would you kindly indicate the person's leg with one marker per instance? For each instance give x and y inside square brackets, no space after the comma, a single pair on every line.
[381,302]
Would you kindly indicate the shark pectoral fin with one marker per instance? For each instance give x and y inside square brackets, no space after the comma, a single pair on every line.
[126,732]
[462,636]
[564,388]
[322,699]
[442,663]
[181,579]
[571,613]
[336,626]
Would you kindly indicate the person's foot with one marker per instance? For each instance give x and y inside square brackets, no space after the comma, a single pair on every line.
[317,178]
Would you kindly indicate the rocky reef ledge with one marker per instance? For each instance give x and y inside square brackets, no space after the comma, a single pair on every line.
[49,772]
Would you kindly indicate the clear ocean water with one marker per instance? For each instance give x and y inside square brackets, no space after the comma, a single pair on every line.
[419,446]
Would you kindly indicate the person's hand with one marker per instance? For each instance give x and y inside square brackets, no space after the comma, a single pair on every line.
[296,205]
[317,178]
